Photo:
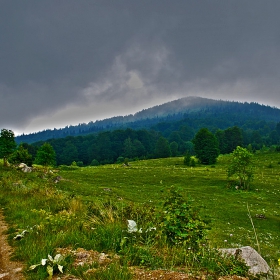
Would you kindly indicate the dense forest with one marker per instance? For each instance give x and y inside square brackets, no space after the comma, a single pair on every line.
[195,112]
[114,146]
[163,131]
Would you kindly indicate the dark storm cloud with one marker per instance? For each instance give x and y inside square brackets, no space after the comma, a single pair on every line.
[93,59]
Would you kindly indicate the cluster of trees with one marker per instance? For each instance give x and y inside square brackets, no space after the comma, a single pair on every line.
[45,155]
[206,147]
[115,146]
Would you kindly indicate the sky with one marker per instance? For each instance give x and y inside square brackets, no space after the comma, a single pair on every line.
[68,62]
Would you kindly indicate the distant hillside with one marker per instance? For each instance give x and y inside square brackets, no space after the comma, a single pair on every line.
[196,111]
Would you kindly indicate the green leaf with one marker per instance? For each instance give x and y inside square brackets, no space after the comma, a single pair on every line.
[50,271]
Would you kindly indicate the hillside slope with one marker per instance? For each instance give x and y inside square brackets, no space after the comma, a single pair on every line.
[195,108]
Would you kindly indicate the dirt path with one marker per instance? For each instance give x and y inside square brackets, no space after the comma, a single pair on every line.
[9,270]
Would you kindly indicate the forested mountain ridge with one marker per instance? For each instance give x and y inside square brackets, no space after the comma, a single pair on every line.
[196,111]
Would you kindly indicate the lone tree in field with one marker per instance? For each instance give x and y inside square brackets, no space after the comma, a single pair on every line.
[46,155]
[206,146]
[241,166]
[7,144]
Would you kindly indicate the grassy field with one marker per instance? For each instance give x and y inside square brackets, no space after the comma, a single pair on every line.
[33,199]
[145,181]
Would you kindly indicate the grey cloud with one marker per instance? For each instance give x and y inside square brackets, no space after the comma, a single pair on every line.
[58,54]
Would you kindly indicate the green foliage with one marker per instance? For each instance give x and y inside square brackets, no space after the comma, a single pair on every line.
[162,149]
[128,148]
[21,155]
[94,162]
[7,144]
[112,272]
[187,159]
[51,264]
[206,146]
[277,148]
[192,162]
[174,149]
[233,138]
[46,155]
[218,264]
[126,161]
[181,222]
[61,220]
[241,167]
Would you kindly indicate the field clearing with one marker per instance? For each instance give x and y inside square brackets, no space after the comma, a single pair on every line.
[61,215]
[144,182]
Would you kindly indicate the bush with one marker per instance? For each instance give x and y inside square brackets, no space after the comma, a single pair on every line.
[192,162]
[241,167]
[187,159]
[180,222]
[94,162]
[120,159]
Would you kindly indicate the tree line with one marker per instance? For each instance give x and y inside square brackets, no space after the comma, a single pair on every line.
[118,145]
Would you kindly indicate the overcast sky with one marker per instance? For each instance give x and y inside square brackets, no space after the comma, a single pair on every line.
[72,61]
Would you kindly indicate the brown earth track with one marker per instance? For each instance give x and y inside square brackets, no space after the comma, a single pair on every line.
[9,270]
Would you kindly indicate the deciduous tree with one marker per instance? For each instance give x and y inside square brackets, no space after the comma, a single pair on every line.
[7,144]
[206,146]
[241,166]
[162,149]
[21,155]
[174,148]
[46,155]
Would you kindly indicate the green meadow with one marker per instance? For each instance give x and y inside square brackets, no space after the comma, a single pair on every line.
[144,182]
[61,215]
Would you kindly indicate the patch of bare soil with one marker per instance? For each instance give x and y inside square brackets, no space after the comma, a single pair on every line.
[9,270]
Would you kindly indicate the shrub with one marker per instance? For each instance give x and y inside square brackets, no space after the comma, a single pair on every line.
[180,222]
[241,167]
[94,162]
[120,159]
[192,162]
[187,159]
